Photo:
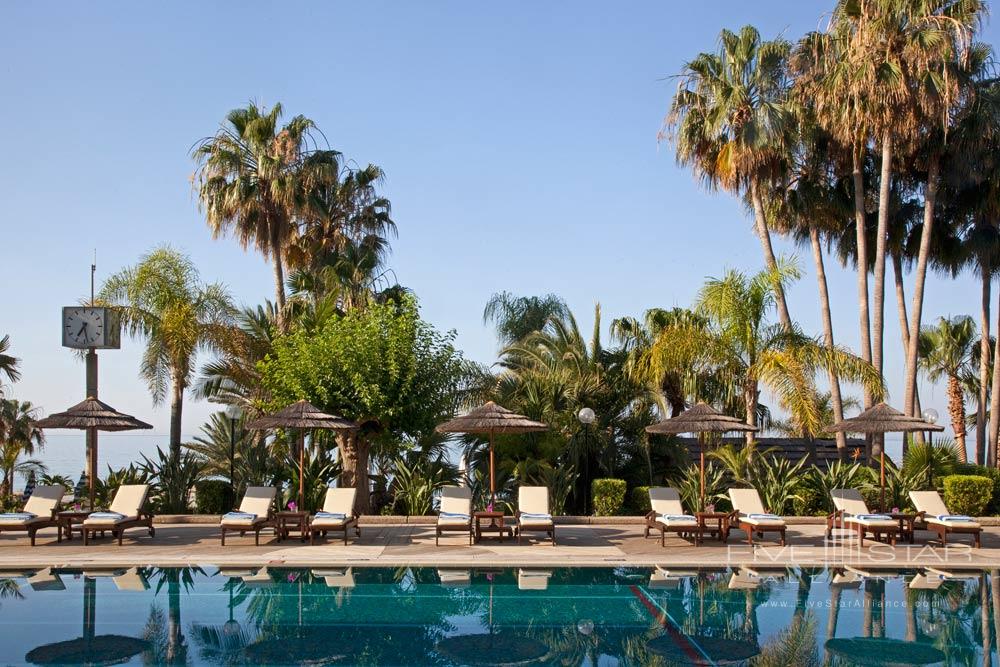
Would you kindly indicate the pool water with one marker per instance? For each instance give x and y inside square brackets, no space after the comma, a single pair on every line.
[560,616]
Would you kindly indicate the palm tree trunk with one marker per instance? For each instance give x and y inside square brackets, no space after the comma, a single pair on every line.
[279,277]
[995,597]
[904,332]
[861,241]
[772,263]
[176,649]
[824,302]
[911,615]
[991,453]
[930,197]
[984,370]
[956,410]
[984,622]
[176,408]
[750,395]
[885,181]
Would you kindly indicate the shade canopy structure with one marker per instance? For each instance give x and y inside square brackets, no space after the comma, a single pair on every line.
[302,415]
[92,415]
[701,418]
[491,419]
[881,418]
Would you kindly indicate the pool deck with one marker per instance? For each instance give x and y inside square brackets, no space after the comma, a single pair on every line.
[412,544]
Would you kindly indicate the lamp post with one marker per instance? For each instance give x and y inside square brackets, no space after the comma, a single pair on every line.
[234,413]
[586,417]
[930,416]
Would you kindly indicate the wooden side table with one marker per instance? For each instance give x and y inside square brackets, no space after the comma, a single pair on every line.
[906,522]
[287,521]
[68,519]
[496,525]
[721,528]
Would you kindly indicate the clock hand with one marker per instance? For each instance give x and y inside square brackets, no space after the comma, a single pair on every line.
[82,329]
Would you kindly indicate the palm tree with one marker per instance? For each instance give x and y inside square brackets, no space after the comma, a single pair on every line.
[163,300]
[255,179]
[8,363]
[730,122]
[18,437]
[946,352]
[514,317]
[745,347]
[232,377]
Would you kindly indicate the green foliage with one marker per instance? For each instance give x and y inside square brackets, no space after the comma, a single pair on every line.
[416,484]
[639,500]
[560,480]
[214,496]
[608,496]
[777,481]
[967,494]
[688,484]
[104,489]
[819,483]
[174,476]
[993,508]
[61,480]
[927,464]
[320,470]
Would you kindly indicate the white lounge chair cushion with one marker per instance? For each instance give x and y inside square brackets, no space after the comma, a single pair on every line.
[677,519]
[17,518]
[257,500]
[763,519]
[849,501]
[535,519]
[334,519]
[954,521]
[106,519]
[454,519]
[872,520]
[240,519]
[339,501]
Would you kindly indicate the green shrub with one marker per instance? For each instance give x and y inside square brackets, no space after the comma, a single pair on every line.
[639,499]
[993,508]
[214,496]
[967,494]
[608,496]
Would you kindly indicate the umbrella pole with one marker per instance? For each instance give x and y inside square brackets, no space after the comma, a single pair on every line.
[302,460]
[702,457]
[91,481]
[882,479]
[493,487]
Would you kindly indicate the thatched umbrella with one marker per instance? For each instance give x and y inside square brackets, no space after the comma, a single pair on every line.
[490,419]
[881,418]
[302,415]
[700,419]
[92,415]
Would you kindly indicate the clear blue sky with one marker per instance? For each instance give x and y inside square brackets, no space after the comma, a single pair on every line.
[518,139]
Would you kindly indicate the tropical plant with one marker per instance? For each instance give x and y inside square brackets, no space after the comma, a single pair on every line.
[416,484]
[777,480]
[8,364]
[687,481]
[163,300]
[320,471]
[929,463]
[105,489]
[730,122]
[515,317]
[221,439]
[560,480]
[946,351]
[255,178]
[174,475]
[19,437]
[821,481]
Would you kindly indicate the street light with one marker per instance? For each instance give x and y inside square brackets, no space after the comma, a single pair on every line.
[234,413]
[586,417]
[930,416]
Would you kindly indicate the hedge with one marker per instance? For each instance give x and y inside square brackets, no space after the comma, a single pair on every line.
[608,496]
[214,496]
[967,494]
[993,508]
[639,498]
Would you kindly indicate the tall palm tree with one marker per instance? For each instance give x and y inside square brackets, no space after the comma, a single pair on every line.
[163,300]
[730,122]
[18,437]
[8,363]
[946,352]
[514,317]
[255,179]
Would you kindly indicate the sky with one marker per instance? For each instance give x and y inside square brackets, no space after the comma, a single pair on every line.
[519,142]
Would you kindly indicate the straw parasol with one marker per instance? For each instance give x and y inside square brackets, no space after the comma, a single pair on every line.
[490,419]
[881,418]
[302,415]
[92,415]
[702,418]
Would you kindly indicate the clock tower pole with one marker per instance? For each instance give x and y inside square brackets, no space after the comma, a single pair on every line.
[91,467]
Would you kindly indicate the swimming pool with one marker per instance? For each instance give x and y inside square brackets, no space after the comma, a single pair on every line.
[413,616]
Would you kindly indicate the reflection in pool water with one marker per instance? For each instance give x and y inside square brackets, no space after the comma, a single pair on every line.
[584,616]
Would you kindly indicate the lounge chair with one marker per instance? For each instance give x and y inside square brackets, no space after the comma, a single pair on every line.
[254,514]
[454,578]
[39,512]
[750,516]
[668,516]
[851,512]
[134,579]
[46,580]
[455,512]
[126,512]
[533,580]
[533,512]
[934,513]
[337,514]
[337,578]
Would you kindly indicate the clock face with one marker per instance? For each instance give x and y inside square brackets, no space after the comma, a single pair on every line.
[84,327]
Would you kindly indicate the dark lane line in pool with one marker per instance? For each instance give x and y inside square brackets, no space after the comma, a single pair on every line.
[693,651]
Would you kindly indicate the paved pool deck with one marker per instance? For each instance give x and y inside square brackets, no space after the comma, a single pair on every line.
[393,545]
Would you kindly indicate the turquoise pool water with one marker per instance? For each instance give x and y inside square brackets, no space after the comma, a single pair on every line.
[423,616]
